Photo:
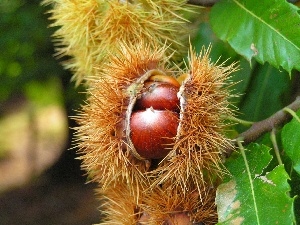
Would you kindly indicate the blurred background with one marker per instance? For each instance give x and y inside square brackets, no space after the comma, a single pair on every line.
[40,179]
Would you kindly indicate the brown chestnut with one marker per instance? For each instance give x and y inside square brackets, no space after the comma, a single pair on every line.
[153,132]
[158,95]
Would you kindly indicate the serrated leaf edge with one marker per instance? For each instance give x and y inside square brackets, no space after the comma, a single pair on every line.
[272,28]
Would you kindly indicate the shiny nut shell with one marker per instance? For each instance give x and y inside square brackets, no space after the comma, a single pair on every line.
[153,132]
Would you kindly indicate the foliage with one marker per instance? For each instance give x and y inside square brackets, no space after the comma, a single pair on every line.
[266,34]
[26,59]
[291,141]
[251,193]
[262,35]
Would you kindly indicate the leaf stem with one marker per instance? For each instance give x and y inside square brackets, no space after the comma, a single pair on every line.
[276,149]
[293,113]
[240,121]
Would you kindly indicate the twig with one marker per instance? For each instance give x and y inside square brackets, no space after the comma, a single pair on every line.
[264,126]
[259,128]
[202,2]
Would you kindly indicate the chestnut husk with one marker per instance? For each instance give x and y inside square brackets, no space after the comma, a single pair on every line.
[104,134]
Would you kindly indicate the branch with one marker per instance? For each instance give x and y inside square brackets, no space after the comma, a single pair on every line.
[259,128]
[202,2]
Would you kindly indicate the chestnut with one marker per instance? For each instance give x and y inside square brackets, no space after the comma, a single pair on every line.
[159,95]
[180,218]
[153,132]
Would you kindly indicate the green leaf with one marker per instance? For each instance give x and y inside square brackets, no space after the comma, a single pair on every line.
[268,91]
[290,136]
[251,196]
[267,30]
[295,185]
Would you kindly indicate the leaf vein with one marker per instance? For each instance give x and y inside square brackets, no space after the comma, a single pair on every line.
[250,180]
[264,22]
